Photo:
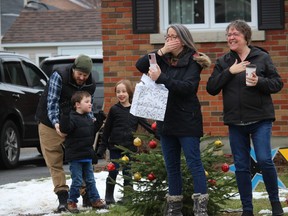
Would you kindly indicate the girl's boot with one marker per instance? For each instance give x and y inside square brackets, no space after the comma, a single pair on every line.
[109,194]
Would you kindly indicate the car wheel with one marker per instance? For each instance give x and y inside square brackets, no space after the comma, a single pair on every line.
[9,145]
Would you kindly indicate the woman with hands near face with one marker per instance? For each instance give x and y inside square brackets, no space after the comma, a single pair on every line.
[179,65]
[172,45]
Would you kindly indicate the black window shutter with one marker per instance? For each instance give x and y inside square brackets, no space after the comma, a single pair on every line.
[145,19]
[271,14]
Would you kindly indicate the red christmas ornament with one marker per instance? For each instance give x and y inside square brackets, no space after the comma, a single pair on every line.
[152,144]
[212,182]
[111,166]
[154,126]
[225,167]
[151,176]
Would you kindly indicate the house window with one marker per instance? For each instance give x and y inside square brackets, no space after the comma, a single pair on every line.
[207,14]
[227,10]
[186,12]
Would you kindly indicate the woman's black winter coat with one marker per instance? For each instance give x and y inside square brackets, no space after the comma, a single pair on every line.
[183,115]
[243,103]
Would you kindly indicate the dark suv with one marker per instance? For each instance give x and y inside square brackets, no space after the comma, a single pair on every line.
[21,85]
[49,65]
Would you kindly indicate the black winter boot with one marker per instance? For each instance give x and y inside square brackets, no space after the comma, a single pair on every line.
[247,213]
[109,194]
[277,209]
[85,197]
[200,204]
[86,201]
[127,190]
[62,197]
[174,206]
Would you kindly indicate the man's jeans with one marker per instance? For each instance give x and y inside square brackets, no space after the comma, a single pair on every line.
[171,148]
[239,136]
[76,169]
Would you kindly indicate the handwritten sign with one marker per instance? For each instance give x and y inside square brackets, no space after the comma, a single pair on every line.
[149,100]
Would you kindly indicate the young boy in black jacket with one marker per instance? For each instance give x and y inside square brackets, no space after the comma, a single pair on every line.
[79,152]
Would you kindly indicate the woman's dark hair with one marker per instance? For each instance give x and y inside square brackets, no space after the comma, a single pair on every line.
[184,35]
[243,27]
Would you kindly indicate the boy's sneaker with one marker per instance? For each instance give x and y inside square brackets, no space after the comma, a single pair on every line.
[72,207]
[99,204]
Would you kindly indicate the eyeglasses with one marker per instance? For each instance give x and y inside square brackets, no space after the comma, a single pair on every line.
[235,34]
[174,37]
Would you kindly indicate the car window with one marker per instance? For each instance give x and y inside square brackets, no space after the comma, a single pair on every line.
[60,66]
[34,76]
[97,72]
[14,73]
[50,67]
[47,68]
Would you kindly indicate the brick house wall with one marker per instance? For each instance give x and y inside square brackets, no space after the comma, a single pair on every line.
[122,48]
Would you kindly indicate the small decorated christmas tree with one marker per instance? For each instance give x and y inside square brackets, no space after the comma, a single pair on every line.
[150,177]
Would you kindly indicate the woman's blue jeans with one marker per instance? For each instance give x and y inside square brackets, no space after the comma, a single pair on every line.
[260,134]
[78,169]
[171,148]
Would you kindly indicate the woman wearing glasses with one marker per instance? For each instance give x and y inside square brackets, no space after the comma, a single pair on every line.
[248,110]
[179,65]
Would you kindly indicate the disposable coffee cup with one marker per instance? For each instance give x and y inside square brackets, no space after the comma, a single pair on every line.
[251,68]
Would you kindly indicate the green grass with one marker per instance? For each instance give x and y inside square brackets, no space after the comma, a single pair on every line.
[259,204]
[116,210]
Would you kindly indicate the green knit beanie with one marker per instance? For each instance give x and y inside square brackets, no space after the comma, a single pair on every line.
[83,63]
